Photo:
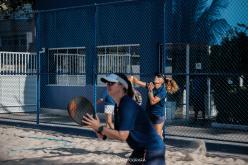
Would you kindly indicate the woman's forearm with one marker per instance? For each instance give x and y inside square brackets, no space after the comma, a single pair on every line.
[136,81]
[114,134]
[152,99]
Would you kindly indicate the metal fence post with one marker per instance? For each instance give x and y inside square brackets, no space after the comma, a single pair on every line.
[187,80]
[164,40]
[95,61]
[209,89]
[38,68]
[209,97]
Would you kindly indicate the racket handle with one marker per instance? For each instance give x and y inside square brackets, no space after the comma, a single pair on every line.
[104,137]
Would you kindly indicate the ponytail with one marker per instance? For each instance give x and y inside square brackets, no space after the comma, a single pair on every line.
[174,87]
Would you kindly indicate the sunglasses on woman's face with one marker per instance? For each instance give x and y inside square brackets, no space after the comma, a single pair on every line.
[110,83]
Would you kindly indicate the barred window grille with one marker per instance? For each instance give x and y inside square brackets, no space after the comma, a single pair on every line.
[17,63]
[67,66]
[118,59]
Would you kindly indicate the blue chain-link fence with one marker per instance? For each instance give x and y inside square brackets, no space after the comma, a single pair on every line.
[76,46]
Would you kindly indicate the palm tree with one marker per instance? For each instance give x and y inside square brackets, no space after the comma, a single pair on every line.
[193,22]
[196,21]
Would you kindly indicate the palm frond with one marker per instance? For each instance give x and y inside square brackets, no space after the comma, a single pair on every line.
[197,21]
[199,6]
[214,10]
[218,29]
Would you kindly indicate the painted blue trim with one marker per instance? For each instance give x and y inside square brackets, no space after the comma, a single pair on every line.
[65,5]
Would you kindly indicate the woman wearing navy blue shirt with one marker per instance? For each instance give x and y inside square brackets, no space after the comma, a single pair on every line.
[156,100]
[131,124]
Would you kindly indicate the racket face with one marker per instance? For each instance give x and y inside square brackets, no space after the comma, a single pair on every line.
[78,107]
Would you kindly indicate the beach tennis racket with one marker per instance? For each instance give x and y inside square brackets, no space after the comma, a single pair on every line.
[78,107]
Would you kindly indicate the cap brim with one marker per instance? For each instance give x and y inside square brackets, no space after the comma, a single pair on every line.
[105,80]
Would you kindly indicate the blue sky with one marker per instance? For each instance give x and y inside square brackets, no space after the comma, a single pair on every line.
[236,12]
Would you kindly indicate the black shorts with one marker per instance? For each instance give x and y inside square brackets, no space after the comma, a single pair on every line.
[147,157]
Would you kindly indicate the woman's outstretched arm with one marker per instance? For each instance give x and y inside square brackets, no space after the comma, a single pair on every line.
[135,80]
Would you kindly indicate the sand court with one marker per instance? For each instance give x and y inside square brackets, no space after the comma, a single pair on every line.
[34,146]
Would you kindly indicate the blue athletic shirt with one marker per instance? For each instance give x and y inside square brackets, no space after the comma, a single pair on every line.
[108,100]
[157,109]
[129,116]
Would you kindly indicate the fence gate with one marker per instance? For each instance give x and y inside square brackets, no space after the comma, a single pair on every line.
[18,89]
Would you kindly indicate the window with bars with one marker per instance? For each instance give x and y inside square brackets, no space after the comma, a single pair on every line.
[18,63]
[118,59]
[66,66]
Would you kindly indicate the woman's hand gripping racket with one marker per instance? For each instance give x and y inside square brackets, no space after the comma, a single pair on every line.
[78,107]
